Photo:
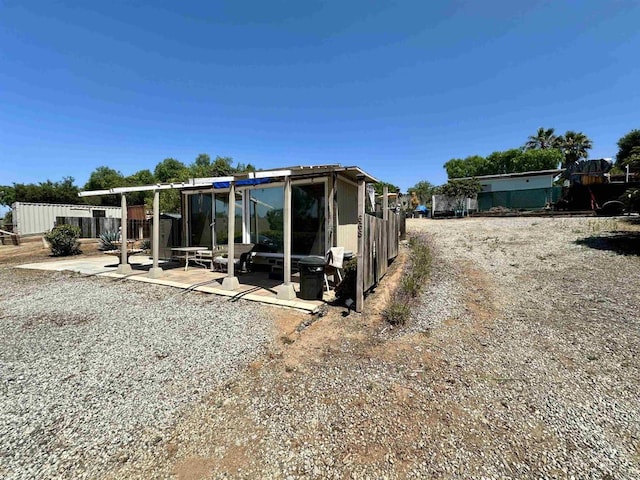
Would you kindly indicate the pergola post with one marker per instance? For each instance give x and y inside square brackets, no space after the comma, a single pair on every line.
[286,290]
[230,282]
[124,268]
[155,270]
[361,240]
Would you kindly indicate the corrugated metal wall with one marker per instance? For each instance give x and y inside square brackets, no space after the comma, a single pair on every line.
[37,218]
[519,199]
[347,234]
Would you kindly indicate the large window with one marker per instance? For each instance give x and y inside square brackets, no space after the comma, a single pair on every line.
[222,219]
[307,219]
[200,221]
[266,219]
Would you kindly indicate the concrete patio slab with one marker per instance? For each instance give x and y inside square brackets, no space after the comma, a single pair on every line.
[255,286]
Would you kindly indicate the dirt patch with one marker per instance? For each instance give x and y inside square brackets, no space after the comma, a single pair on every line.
[34,251]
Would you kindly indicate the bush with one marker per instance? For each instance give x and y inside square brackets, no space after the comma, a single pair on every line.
[64,240]
[398,310]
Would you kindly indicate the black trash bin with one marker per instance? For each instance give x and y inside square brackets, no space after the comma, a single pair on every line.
[311,277]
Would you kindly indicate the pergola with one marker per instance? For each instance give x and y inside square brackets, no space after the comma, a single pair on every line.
[230,282]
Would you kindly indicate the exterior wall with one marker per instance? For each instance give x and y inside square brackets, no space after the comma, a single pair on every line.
[37,218]
[516,183]
[347,213]
[529,199]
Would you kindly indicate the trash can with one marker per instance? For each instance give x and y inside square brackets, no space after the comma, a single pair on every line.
[311,277]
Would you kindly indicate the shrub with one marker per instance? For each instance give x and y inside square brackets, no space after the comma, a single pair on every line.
[106,240]
[398,309]
[64,240]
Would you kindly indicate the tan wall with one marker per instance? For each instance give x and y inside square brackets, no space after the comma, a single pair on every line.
[347,228]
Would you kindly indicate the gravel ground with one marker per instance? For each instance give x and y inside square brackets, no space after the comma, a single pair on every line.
[94,370]
[520,361]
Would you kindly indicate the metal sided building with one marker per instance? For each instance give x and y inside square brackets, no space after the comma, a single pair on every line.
[37,218]
[519,191]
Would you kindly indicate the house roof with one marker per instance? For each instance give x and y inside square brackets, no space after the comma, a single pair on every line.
[534,173]
[258,177]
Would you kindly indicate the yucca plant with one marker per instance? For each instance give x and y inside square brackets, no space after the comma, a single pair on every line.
[107,239]
[145,244]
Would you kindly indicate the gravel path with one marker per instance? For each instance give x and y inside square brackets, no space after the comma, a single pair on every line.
[92,370]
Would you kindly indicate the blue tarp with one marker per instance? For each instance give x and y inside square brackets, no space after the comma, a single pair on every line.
[241,183]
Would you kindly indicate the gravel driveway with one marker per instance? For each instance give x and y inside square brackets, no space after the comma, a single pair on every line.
[94,369]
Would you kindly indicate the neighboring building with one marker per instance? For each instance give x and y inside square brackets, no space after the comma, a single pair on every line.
[38,218]
[519,191]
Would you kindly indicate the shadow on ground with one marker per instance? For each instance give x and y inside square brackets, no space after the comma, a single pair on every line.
[624,243]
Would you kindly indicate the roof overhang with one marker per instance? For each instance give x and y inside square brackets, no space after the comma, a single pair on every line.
[246,178]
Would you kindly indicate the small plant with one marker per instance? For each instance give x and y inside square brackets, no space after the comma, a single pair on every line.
[107,239]
[398,309]
[145,244]
[64,240]
[410,285]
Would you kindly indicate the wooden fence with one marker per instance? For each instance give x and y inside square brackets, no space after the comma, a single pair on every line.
[94,227]
[380,246]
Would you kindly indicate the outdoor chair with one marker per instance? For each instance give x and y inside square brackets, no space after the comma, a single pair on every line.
[333,265]
[242,256]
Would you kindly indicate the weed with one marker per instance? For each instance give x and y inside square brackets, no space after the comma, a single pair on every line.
[398,310]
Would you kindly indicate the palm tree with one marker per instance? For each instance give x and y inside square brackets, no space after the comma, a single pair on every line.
[543,139]
[574,146]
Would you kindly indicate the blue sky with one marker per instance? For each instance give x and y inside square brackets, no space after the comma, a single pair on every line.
[397,88]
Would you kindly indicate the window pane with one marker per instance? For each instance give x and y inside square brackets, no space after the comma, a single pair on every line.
[266,206]
[200,219]
[222,218]
[307,220]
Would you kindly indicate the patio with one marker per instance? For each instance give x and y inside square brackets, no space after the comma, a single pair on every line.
[254,286]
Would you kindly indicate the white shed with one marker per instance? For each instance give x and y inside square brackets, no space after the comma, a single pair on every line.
[37,218]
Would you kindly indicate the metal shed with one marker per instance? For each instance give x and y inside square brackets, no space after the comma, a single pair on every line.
[37,218]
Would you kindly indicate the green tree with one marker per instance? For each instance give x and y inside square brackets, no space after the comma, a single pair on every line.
[626,146]
[460,190]
[7,195]
[201,167]
[104,178]
[543,139]
[48,192]
[574,146]
[501,162]
[468,167]
[140,178]
[532,160]
[222,167]
[171,170]
[378,186]
[424,190]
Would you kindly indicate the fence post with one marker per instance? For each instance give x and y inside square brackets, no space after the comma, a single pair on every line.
[361,239]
